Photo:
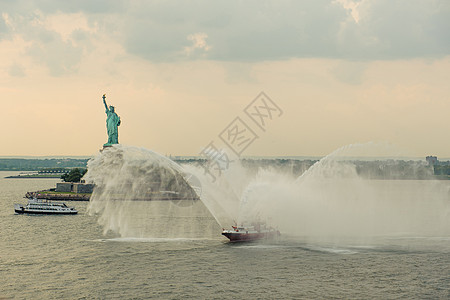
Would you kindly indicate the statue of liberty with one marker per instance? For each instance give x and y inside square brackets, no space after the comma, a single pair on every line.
[112,122]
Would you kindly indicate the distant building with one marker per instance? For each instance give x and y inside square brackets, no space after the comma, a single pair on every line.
[83,188]
[432,160]
[64,187]
[74,187]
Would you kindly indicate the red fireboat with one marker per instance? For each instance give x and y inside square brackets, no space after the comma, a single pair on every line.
[250,233]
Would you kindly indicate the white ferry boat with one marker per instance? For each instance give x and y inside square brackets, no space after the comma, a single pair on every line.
[36,206]
[250,233]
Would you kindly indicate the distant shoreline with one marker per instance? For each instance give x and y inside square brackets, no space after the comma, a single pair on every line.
[366,169]
[34,177]
[64,196]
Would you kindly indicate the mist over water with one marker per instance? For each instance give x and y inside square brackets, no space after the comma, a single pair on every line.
[142,194]
[330,199]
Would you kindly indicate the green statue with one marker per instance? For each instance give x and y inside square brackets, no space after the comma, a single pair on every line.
[112,122]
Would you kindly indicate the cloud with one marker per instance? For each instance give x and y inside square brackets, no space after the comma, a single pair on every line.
[198,43]
[60,57]
[57,41]
[401,30]
[5,30]
[352,7]
[16,70]
[239,31]
[274,30]
[56,6]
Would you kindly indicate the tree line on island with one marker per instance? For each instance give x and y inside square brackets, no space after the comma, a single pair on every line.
[36,164]
[74,175]
[73,170]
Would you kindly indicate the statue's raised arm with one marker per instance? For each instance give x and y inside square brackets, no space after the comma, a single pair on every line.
[104,101]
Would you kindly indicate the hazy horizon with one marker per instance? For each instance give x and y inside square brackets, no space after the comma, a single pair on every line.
[368,158]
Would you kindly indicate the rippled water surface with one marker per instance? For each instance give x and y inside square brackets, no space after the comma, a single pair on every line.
[57,257]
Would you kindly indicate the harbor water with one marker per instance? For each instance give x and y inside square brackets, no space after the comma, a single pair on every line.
[71,257]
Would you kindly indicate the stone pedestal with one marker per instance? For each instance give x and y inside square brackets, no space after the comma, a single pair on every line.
[105,146]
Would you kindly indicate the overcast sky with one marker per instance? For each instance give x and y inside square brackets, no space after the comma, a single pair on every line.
[180,72]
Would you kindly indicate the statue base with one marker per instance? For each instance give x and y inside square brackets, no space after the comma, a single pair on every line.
[105,146]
